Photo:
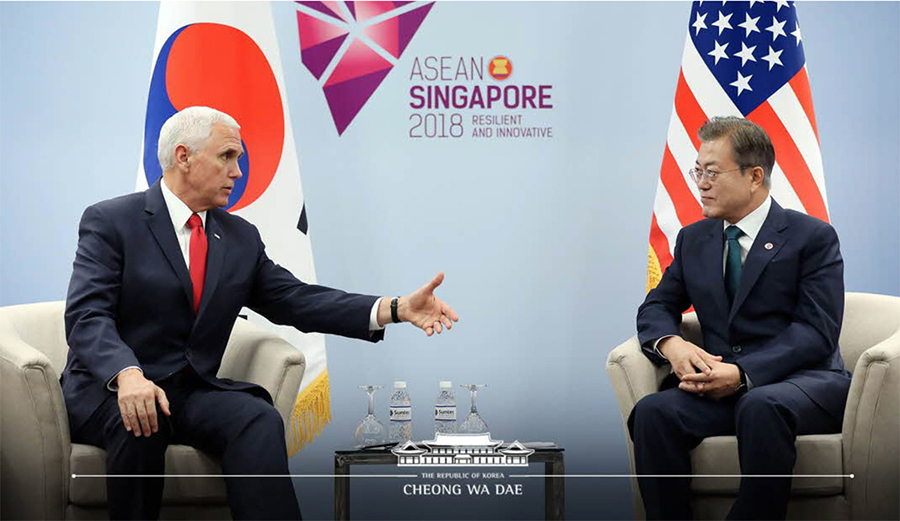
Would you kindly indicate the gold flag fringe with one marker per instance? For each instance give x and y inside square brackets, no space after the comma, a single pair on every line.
[312,412]
[654,270]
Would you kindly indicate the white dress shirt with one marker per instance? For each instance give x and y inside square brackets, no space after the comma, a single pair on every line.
[180,213]
[750,225]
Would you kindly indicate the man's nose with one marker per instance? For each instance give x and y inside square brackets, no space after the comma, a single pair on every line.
[236,172]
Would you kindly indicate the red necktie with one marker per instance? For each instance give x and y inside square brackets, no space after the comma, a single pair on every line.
[198,257]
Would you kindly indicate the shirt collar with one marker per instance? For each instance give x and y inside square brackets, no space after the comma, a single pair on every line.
[178,211]
[753,221]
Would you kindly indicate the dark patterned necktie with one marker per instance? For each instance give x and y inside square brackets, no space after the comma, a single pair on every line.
[732,262]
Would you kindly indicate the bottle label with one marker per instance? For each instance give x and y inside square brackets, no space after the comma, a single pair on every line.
[401,413]
[445,413]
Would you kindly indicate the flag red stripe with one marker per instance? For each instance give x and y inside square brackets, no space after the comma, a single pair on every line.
[800,84]
[689,111]
[660,245]
[686,206]
[791,161]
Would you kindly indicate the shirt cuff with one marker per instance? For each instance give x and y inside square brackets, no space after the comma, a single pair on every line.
[112,385]
[655,344]
[373,316]
[749,383]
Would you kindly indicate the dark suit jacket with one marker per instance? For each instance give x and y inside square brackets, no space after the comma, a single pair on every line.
[130,299]
[786,317]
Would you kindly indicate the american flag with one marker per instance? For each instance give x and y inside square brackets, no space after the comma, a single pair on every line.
[742,59]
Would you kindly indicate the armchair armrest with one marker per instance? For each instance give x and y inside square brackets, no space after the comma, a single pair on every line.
[34,433]
[633,375]
[262,357]
[871,432]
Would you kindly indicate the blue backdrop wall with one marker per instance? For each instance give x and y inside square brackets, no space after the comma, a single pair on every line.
[545,251]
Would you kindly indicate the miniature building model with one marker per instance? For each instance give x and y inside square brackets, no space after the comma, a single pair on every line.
[462,450]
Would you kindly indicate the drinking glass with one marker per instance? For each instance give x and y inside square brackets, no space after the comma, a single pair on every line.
[473,424]
[370,430]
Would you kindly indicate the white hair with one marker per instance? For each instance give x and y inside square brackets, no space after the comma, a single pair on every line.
[190,127]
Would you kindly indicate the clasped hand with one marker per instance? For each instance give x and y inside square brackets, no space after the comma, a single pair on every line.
[700,372]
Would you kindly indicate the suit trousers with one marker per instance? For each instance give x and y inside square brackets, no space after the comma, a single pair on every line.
[667,425]
[244,431]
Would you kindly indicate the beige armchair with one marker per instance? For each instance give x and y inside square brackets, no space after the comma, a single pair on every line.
[37,458]
[868,447]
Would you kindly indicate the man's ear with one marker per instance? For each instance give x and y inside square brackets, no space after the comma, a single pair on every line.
[757,177]
[182,156]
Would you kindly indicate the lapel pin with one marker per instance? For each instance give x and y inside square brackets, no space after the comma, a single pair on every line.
[768,245]
[216,235]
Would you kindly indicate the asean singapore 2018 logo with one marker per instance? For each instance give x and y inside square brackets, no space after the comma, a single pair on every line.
[477,97]
[350,47]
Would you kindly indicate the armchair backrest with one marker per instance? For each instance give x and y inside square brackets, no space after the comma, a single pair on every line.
[868,320]
[39,325]
[690,329]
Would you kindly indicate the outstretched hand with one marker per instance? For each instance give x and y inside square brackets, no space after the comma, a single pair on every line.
[425,311]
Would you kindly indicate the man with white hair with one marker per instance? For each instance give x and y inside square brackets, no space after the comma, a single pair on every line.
[158,280]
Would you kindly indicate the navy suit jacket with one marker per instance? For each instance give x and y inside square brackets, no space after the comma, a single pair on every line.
[786,317]
[130,299]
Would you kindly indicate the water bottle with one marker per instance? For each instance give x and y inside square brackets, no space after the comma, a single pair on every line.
[401,414]
[445,409]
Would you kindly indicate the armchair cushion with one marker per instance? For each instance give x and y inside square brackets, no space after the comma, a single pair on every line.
[817,454]
[180,459]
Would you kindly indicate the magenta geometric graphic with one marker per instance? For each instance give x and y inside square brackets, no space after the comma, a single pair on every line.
[324,28]
[329,8]
[319,43]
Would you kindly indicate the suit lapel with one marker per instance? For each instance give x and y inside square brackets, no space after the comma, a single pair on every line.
[215,255]
[160,224]
[760,254]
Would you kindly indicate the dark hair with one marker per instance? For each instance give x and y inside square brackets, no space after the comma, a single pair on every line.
[752,146]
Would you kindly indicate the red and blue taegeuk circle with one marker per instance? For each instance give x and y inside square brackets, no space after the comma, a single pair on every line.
[218,66]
